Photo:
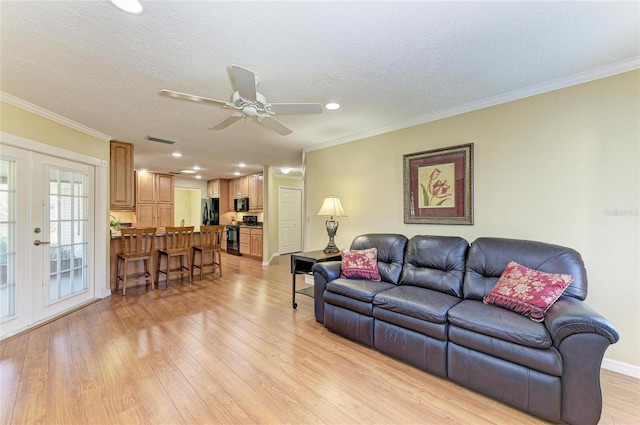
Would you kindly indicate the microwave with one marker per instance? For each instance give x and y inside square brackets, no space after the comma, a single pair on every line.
[241,204]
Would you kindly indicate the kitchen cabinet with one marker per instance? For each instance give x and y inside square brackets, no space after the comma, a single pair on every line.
[256,192]
[219,188]
[122,196]
[223,242]
[232,193]
[256,242]
[251,242]
[245,241]
[154,200]
[242,187]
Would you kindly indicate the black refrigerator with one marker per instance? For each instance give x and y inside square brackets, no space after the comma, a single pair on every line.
[210,212]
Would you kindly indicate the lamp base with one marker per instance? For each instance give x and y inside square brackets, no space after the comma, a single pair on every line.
[332,228]
[331,250]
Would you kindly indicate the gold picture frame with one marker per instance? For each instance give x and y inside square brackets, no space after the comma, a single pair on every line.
[438,186]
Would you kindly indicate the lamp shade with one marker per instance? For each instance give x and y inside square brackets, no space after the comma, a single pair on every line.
[332,207]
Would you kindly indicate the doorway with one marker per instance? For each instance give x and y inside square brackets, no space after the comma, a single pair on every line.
[47,236]
[290,220]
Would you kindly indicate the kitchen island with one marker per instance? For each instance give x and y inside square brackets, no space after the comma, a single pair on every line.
[252,250]
[137,267]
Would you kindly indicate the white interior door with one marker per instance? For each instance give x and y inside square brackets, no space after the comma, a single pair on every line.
[290,220]
[46,237]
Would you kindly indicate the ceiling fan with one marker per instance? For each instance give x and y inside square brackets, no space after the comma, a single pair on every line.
[248,102]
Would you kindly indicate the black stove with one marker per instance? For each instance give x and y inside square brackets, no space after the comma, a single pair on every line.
[233,240]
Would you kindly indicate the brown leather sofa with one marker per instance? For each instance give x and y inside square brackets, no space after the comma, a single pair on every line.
[427,311]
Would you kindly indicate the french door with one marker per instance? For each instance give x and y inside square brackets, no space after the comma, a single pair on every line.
[46,242]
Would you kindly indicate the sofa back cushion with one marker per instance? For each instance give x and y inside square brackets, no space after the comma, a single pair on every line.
[435,262]
[390,253]
[488,258]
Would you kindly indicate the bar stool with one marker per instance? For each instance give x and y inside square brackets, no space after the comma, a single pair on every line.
[178,244]
[210,239]
[136,245]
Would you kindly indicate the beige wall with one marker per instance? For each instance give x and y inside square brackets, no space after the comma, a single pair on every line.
[560,167]
[26,124]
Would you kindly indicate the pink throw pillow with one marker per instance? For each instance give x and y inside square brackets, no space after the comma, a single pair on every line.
[526,291]
[360,264]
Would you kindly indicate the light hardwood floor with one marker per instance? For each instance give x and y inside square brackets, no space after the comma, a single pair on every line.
[231,350]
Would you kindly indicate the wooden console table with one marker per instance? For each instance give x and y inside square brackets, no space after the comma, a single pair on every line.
[301,263]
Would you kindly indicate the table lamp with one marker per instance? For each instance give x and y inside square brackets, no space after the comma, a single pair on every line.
[331,207]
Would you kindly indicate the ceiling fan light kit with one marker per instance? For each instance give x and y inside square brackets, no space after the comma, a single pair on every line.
[248,102]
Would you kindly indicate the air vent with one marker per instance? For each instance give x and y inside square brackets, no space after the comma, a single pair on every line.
[159,140]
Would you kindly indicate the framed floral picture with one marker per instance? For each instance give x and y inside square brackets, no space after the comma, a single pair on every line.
[438,186]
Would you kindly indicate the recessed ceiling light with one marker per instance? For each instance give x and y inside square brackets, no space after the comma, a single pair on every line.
[237,173]
[242,164]
[195,167]
[285,170]
[332,106]
[188,171]
[131,6]
[176,154]
[198,176]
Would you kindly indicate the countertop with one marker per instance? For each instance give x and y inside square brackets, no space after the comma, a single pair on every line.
[116,235]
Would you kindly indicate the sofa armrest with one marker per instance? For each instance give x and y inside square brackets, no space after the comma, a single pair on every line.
[328,269]
[569,316]
[322,273]
[581,335]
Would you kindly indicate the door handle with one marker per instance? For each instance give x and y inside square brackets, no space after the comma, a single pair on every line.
[38,242]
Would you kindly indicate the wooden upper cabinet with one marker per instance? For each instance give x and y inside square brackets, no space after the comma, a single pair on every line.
[256,189]
[213,188]
[154,200]
[145,187]
[164,188]
[232,193]
[122,196]
[242,187]
[219,188]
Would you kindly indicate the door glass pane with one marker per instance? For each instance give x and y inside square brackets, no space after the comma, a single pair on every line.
[68,222]
[7,239]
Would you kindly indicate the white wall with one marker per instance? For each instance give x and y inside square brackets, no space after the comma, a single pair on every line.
[560,167]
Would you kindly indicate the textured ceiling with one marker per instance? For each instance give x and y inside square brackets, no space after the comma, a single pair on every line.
[389,64]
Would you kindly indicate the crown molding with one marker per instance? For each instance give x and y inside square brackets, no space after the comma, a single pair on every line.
[561,83]
[30,107]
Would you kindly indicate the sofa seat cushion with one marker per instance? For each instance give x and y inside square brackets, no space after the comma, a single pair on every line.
[421,303]
[358,289]
[547,360]
[426,328]
[499,323]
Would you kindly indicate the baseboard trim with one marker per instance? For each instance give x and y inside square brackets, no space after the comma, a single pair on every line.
[620,367]
[274,255]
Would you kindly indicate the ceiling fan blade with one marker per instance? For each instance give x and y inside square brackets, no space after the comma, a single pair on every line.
[185,96]
[227,121]
[295,108]
[274,124]
[245,82]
